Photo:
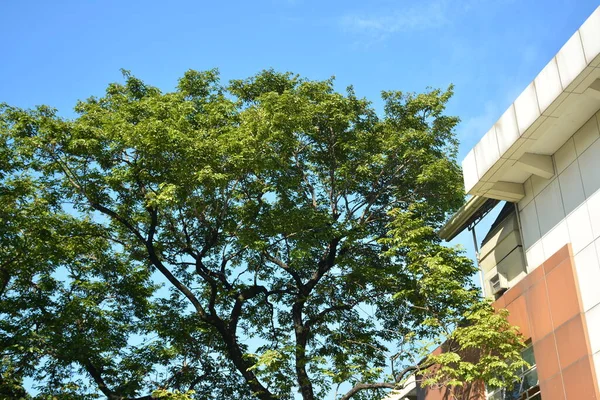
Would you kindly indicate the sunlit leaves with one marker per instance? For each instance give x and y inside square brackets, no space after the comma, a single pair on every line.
[236,240]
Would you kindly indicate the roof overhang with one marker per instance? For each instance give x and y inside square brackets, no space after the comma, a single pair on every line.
[564,95]
[471,212]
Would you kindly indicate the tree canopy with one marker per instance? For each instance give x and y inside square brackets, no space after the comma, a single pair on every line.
[268,238]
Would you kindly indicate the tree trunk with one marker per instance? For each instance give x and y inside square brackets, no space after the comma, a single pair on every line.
[301,331]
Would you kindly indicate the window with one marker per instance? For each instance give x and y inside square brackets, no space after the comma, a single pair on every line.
[526,388]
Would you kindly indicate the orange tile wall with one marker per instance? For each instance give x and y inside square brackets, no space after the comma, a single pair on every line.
[546,306]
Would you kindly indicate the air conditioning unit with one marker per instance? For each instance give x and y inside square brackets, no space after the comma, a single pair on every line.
[498,284]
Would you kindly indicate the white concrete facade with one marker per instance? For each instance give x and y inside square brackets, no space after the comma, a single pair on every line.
[561,98]
[566,209]
[544,155]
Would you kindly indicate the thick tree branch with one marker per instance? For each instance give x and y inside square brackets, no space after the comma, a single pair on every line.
[325,264]
[210,276]
[155,260]
[365,386]
[247,294]
[241,298]
[302,330]
[241,363]
[384,385]
[229,335]
[97,377]
[94,204]
[111,395]
[113,215]
[148,242]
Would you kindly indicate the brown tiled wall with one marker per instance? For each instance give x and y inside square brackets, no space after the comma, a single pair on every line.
[474,391]
[546,306]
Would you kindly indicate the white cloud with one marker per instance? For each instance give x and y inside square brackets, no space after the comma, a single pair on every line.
[419,16]
[426,15]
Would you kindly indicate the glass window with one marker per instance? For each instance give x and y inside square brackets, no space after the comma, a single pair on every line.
[526,388]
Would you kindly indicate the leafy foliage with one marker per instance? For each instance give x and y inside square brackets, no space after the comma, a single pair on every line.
[251,240]
[486,349]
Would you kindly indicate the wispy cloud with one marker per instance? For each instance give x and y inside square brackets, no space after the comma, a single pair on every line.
[419,16]
[378,26]
[426,15]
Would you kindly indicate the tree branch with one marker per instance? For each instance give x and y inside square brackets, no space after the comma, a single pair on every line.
[247,294]
[341,307]
[385,385]
[97,377]
[107,211]
[365,386]
[155,260]
[241,298]
[242,364]
[286,268]
[325,264]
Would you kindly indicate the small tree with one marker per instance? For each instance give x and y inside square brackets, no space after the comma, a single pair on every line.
[255,240]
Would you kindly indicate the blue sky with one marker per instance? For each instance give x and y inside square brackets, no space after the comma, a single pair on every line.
[60,51]
[55,52]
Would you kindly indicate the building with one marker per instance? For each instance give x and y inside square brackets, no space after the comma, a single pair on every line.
[540,162]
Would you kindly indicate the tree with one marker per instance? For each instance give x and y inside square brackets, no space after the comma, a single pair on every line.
[253,240]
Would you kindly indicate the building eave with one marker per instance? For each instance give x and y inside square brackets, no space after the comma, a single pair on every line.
[470,212]
[564,95]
